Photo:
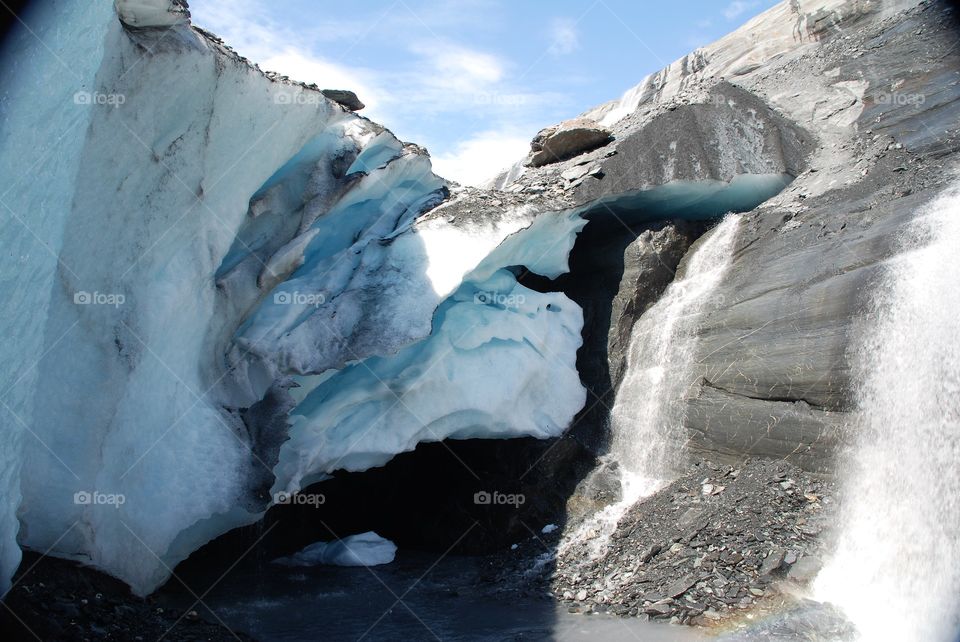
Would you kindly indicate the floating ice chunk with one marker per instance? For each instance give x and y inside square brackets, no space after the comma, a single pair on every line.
[365,549]
[549,528]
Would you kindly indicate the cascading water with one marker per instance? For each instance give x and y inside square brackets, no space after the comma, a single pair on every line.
[648,412]
[647,415]
[896,569]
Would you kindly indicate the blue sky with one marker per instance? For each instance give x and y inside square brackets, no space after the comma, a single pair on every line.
[472,80]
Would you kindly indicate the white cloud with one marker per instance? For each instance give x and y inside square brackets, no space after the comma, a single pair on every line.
[432,80]
[481,157]
[737,7]
[457,65]
[330,75]
[563,37]
[245,26]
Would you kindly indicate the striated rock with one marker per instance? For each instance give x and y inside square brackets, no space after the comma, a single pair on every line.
[831,102]
[344,97]
[568,139]
[649,265]
[738,135]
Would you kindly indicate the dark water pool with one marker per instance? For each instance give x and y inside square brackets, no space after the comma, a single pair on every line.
[414,598]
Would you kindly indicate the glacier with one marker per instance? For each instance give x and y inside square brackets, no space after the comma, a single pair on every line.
[33,215]
[212,249]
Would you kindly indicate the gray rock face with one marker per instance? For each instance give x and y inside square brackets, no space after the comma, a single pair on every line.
[735,133]
[598,489]
[779,380]
[778,351]
[724,425]
[834,99]
[566,140]
[649,265]
[805,569]
[344,97]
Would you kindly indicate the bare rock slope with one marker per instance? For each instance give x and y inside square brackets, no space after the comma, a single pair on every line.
[855,104]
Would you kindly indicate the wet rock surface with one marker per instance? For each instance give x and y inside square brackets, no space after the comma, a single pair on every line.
[714,546]
[58,600]
[806,620]
[649,265]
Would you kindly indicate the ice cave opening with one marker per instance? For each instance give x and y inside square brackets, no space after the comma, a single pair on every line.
[435,497]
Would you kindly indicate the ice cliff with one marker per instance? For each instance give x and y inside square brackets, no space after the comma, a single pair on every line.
[211,249]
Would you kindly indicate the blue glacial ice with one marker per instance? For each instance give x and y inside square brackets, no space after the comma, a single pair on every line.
[150,279]
[363,549]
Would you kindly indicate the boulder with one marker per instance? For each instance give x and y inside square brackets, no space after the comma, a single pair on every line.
[344,97]
[680,586]
[600,488]
[773,562]
[806,569]
[566,140]
[144,14]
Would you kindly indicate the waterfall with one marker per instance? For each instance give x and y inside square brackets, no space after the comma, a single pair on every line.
[647,416]
[896,568]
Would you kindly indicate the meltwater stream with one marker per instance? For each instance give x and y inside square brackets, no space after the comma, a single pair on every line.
[647,415]
[896,570]
[648,412]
